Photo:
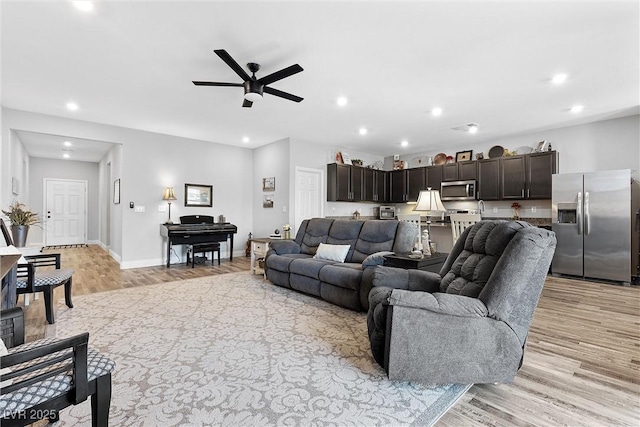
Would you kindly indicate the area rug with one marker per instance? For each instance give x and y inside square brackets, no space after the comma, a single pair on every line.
[236,350]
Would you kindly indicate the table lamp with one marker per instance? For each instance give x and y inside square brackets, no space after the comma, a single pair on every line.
[169,196]
[428,202]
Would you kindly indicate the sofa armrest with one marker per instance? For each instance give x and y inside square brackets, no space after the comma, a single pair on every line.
[376,258]
[285,247]
[411,280]
[441,303]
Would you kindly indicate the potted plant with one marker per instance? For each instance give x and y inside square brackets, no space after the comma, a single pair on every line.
[21,219]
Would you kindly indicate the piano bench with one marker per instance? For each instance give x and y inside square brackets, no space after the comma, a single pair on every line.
[202,248]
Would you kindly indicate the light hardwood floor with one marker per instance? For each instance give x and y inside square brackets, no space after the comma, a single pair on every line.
[581,366]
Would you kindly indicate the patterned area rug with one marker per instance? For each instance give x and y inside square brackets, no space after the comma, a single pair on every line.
[235,350]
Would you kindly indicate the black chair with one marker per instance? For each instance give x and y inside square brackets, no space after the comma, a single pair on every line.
[31,280]
[49,375]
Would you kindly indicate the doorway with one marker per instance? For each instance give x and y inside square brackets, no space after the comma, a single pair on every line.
[65,222]
[309,193]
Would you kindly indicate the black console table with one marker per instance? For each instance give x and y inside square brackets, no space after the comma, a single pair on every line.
[431,263]
[189,234]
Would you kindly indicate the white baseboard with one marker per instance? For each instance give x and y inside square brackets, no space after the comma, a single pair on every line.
[115,256]
[157,261]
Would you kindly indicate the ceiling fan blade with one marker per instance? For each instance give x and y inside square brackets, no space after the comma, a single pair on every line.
[247,103]
[281,94]
[279,75]
[217,84]
[232,63]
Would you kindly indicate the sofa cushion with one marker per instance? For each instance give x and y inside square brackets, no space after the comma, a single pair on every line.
[375,236]
[345,232]
[309,267]
[316,232]
[329,252]
[346,275]
[282,262]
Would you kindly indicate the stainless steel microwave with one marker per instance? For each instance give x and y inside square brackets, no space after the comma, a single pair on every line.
[458,190]
[387,212]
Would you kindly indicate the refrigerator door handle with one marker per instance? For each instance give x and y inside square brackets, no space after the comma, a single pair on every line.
[579,212]
[586,213]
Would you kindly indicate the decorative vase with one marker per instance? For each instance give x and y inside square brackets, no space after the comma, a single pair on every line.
[287,234]
[19,234]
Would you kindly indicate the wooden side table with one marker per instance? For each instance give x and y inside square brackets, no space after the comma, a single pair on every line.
[259,248]
[431,263]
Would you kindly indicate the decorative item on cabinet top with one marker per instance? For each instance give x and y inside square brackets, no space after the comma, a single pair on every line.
[462,156]
[440,159]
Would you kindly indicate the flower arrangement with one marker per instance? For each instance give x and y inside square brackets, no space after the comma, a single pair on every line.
[19,214]
[287,231]
[516,210]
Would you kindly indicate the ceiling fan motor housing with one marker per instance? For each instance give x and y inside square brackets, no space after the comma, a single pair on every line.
[252,89]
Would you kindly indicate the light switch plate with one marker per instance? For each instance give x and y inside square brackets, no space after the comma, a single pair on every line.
[495,210]
[139,209]
[162,208]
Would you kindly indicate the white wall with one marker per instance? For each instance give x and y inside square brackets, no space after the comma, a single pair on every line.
[64,169]
[150,162]
[271,160]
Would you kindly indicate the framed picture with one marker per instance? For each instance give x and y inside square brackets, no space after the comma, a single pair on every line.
[269,184]
[463,156]
[346,159]
[198,195]
[116,192]
[267,201]
[542,146]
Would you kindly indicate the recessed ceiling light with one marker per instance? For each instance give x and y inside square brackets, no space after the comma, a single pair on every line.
[245,139]
[72,106]
[67,143]
[473,128]
[404,143]
[66,155]
[342,101]
[85,6]
[363,131]
[559,79]
[436,111]
[577,108]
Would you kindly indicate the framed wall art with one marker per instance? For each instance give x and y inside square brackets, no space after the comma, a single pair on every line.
[463,156]
[116,192]
[198,195]
[267,201]
[269,184]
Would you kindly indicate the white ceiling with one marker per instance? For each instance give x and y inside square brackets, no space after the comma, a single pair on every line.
[131,64]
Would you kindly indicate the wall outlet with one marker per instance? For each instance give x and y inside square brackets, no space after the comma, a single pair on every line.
[284,209]
[495,210]
[533,209]
[139,209]
[162,208]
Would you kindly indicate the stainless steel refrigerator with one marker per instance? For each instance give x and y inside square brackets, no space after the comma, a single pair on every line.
[591,216]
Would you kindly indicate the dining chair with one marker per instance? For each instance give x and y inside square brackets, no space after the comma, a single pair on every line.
[460,222]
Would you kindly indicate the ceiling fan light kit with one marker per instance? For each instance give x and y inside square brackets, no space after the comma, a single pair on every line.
[254,87]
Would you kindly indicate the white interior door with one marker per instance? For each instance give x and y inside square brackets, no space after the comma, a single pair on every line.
[309,194]
[66,213]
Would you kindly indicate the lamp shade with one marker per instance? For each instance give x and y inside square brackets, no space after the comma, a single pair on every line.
[429,201]
[169,194]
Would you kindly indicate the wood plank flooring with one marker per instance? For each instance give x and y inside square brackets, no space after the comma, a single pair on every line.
[581,367]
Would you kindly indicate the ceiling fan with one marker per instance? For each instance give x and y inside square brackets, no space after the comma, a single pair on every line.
[254,87]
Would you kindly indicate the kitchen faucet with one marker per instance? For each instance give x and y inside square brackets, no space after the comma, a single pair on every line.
[480,206]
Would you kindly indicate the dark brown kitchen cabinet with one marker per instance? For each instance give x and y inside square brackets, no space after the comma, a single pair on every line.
[374,187]
[467,170]
[434,177]
[344,183]
[416,182]
[489,179]
[450,172]
[397,186]
[529,176]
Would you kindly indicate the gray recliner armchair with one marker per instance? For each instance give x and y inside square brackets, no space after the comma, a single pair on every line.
[469,324]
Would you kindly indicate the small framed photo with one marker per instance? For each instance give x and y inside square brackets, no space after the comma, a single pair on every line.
[346,159]
[267,201]
[542,146]
[269,184]
[463,156]
[116,192]
[198,195]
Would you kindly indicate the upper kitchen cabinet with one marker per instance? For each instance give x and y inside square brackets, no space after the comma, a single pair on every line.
[528,176]
[397,186]
[449,172]
[489,179]
[374,188]
[460,171]
[416,182]
[434,177]
[344,183]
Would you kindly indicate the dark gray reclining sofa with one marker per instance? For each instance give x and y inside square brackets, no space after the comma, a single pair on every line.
[290,263]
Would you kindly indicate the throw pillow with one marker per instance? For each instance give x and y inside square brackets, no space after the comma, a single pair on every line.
[332,252]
